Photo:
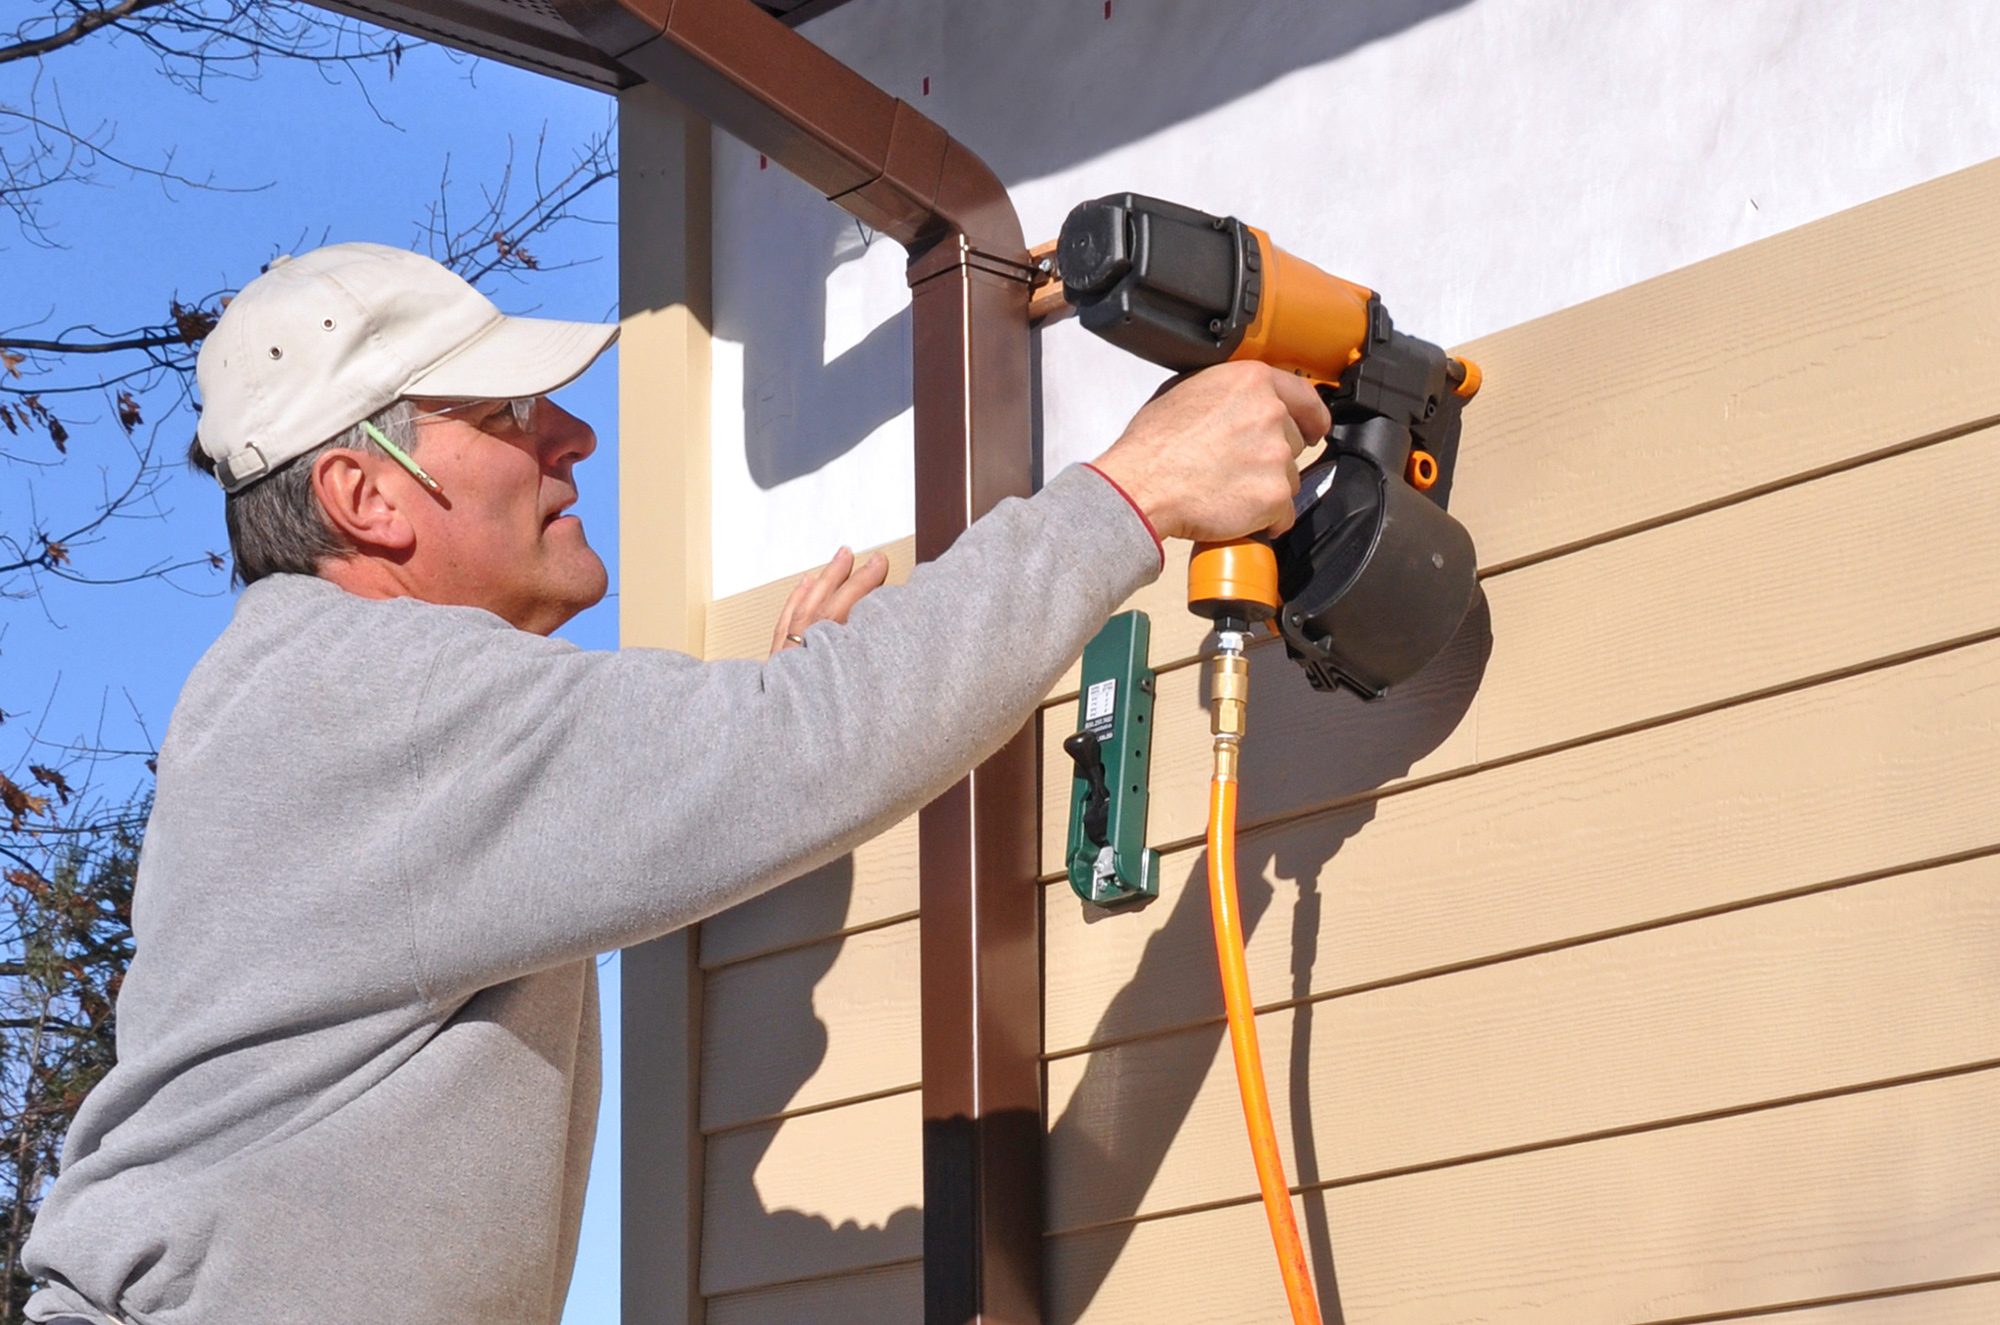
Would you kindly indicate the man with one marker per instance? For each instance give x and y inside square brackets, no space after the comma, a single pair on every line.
[357,1057]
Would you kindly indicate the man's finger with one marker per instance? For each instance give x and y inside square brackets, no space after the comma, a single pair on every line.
[1295,437]
[780,638]
[1301,400]
[825,581]
[1282,523]
[869,573]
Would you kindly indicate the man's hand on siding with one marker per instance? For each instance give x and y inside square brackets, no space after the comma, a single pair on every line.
[828,594]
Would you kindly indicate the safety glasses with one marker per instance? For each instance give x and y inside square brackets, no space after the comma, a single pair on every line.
[523,411]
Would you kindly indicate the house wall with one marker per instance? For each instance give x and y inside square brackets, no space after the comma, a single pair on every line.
[1634,962]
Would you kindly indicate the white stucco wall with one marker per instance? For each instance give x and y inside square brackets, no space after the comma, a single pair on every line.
[1479,162]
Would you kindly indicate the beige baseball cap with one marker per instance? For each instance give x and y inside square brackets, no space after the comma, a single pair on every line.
[321,341]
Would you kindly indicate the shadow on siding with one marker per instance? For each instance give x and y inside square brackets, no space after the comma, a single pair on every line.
[1377,743]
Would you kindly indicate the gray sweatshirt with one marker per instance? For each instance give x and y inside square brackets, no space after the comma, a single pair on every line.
[357,1070]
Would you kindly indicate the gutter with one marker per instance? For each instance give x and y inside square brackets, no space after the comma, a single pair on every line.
[970,277]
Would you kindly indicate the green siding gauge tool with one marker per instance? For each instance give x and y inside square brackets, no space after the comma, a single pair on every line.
[1108,859]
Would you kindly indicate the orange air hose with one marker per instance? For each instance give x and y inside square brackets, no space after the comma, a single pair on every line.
[1230,694]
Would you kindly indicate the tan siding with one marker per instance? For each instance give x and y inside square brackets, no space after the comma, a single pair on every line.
[893,1296]
[1877,772]
[811,1026]
[876,883]
[1838,989]
[1861,565]
[1849,1195]
[1636,963]
[814,1195]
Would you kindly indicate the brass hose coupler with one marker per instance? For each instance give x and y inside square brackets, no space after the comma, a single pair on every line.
[1228,701]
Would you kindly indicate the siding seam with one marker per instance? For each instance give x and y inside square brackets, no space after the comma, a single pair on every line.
[1558,1143]
[845,1101]
[825,1276]
[1554,945]
[793,945]
[1807,1304]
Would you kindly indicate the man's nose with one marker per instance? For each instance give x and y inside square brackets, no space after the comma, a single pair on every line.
[566,439]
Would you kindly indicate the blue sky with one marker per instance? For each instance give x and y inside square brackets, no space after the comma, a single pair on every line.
[104,664]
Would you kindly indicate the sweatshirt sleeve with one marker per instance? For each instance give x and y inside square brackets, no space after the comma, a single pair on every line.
[569,802]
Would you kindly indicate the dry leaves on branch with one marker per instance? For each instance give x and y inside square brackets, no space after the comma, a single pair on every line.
[32,410]
[51,779]
[191,320]
[511,252]
[18,803]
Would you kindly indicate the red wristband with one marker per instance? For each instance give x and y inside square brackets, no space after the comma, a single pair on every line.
[1143,519]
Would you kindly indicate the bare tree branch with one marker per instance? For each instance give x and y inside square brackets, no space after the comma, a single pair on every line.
[86,22]
[195,40]
[150,340]
[495,241]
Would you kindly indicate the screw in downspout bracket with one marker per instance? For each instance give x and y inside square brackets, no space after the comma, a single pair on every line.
[1229,700]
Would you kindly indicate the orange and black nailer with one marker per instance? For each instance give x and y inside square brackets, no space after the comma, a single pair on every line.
[1374,578]
[1369,584]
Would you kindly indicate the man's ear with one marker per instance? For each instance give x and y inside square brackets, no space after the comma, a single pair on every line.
[362,510]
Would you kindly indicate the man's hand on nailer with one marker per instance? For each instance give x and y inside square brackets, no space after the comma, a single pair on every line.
[1214,456]
[828,594]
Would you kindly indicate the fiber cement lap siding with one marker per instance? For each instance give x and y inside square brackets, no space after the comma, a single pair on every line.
[1634,963]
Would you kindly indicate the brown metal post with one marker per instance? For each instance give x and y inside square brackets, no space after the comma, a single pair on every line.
[885,162]
[977,843]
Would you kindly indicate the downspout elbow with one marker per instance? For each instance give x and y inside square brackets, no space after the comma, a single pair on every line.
[872,154]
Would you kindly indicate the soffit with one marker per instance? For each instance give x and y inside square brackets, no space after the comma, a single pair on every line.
[526,33]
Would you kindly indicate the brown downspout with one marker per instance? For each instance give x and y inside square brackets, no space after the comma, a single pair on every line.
[969,278]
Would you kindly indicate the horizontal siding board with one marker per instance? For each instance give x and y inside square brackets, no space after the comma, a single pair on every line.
[1876,772]
[820,1194]
[1864,564]
[1837,1197]
[1853,334]
[810,1026]
[1889,979]
[1861,565]
[877,882]
[890,1296]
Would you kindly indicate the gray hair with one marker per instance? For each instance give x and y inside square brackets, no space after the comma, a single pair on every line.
[276,525]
